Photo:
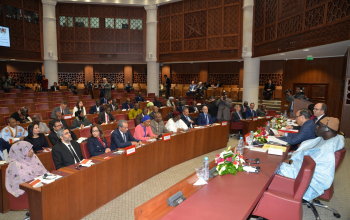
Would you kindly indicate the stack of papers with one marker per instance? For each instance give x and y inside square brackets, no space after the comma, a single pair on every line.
[258,149]
[48,179]
[151,140]
[268,146]
[288,130]
[81,139]
[86,163]
[275,140]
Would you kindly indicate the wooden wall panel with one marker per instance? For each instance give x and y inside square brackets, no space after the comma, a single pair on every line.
[139,74]
[287,25]
[321,71]
[271,70]
[227,72]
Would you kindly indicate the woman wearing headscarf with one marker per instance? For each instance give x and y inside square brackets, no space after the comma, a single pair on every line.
[24,166]
[37,139]
[143,131]
[170,102]
[79,120]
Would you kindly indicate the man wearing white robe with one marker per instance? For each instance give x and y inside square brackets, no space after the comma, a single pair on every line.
[175,124]
[13,131]
[321,150]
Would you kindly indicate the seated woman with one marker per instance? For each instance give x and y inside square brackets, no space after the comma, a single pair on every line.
[143,131]
[24,166]
[37,139]
[97,143]
[79,107]
[79,120]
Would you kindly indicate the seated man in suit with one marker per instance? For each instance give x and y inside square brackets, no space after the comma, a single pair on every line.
[236,115]
[63,124]
[155,110]
[55,87]
[187,118]
[244,108]
[127,104]
[62,108]
[268,90]
[170,114]
[114,105]
[139,98]
[22,115]
[96,109]
[66,152]
[204,118]
[200,89]
[128,87]
[192,89]
[193,108]
[135,111]
[181,107]
[306,132]
[218,84]
[12,131]
[106,116]
[140,116]
[175,124]
[53,134]
[73,87]
[250,113]
[105,99]
[157,125]
[180,100]
[4,145]
[122,138]
[157,102]
[261,112]
[320,112]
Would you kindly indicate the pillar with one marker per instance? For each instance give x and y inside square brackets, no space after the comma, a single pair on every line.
[151,50]
[251,65]
[50,40]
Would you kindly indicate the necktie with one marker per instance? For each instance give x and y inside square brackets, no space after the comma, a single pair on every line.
[206,119]
[124,138]
[107,118]
[74,154]
[62,112]
[239,115]
[2,156]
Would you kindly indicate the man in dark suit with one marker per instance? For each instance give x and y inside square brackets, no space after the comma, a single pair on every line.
[204,118]
[127,104]
[181,107]
[62,108]
[244,108]
[185,116]
[200,89]
[306,132]
[157,102]
[155,110]
[250,112]
[55,87]
[121,137]
[268,90]
[106,116]
[140,116]
[320,112]
[139,98]
[66,152]
[180,100]
[96,108]
[63,124]
[236,115]
[213,109]
[21,115]
[73,87]
[53,134]
[218,84]
[193,108]
[105,99]
[168,86]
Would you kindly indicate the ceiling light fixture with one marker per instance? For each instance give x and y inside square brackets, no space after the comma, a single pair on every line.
[305,50]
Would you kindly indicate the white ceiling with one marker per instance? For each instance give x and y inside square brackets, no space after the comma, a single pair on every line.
[122,2]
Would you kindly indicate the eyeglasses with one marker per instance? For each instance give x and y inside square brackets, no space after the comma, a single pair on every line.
[315,109]
[95,130]
[297,116]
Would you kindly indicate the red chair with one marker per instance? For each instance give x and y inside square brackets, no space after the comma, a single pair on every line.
[72,104]
[7,102]
[119,117]
[5,119]
[86,97]
[131,95]
[19,108]
[85,150]
[117,96]
[271,112]
[42,106]
[90,103]
[236,125]
[57,99]
[68,93]
[283,198]
[85,132]
[18,203]
[28,94]
[57,94]
[339,157]
[95,120]
[28,90]
[56,105]
[108,137]
[131,124]
[161,98]
[4,110]
[15,90]
[132,131]
[70,98]
[42,99]
[26,100]
[165,122]
[150,99]
[151,95]
[42,94]
[48,114]
[107,132]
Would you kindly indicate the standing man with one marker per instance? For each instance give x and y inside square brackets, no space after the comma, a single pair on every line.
[289,98]
[268,90]
[320,111]
[105,89]
[213,109]
[224,105]
[244,108]
[168,85]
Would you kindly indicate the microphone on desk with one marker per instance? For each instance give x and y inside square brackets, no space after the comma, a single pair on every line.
[257,161]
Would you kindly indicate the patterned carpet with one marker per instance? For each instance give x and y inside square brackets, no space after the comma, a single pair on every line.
[122,208]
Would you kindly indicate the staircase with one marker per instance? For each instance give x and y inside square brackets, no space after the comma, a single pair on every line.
[273,105]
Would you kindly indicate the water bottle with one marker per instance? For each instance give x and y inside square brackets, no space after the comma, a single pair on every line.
[273,123]
[240,146]
[267,128]
[285,115]
[250,138]
[206,168]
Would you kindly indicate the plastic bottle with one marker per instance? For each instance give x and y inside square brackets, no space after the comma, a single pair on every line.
[273,123]
[285,115]
[267,128]
[240,146]
[206,168]
[250,138]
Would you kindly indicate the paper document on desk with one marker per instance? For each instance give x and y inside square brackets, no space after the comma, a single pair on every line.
[273,139]
[258,149]
[268,146]
[86,163]
[274,131]
[49,178]
[290,130]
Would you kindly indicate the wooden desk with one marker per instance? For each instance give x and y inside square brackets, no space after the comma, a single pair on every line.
[224,196]
[82,192]
[249,125]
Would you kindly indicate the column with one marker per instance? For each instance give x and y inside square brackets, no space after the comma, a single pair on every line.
[50,41]
[151,50]
[251,65]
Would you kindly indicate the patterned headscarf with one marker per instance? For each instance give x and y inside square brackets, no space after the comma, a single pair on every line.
[21,167]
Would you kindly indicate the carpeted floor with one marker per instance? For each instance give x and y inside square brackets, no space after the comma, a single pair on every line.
[122,208]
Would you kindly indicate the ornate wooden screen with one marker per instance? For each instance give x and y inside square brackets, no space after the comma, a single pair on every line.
[193,30]
[111,77]
[100,33]
[23,18]
[285,25]
[28,77]
[70,77]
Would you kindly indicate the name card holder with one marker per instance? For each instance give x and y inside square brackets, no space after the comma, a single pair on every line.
[130,150]
[166,137]
[33,183]
[255,118]
[223,123]
[268,117]
[67,117]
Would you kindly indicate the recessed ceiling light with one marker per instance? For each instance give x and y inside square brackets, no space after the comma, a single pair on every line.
[282,54]
[305,50]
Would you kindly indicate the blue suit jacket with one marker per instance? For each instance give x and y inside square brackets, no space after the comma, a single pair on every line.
[201,119]
[192,87]
[307,132]
[103,101]
[248,113]
[95,147]
[188,123]
[117,140]
[125,106]
[93,109]
[139,99]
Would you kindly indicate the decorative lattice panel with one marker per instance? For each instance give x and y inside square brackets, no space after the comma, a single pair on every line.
[338,9]
[314,17]
[70,77]
[226,78]
[276,79]
[259,13]
[139,77]
[29,77]
[271,11]
[205,55]
[185,78]
[270,32]
[290,26]
[111,77]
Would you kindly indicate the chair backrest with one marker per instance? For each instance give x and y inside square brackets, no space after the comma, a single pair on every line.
[95,120]
[27,101]
[28,94]
[85,132]
[271,112]
[57,99]
[4,110]
[7,101]
[117,96]
[132,131]
[108,137]
[90,103]
[165,122]
[107,132]
[339,157]
[68,93]
[119,117]
[72,104]
[57,94]
[86,97]
[42,99]
[131,124]
[85,150]
[41,94]
[48,114]
[56,104]
[70,98]
[15,90]
[42,106]
[304,177]
[10,95]
[5,120]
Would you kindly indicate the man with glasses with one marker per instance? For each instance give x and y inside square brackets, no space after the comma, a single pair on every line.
[53,135]
[306,132]
[320,111]
[121,136]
